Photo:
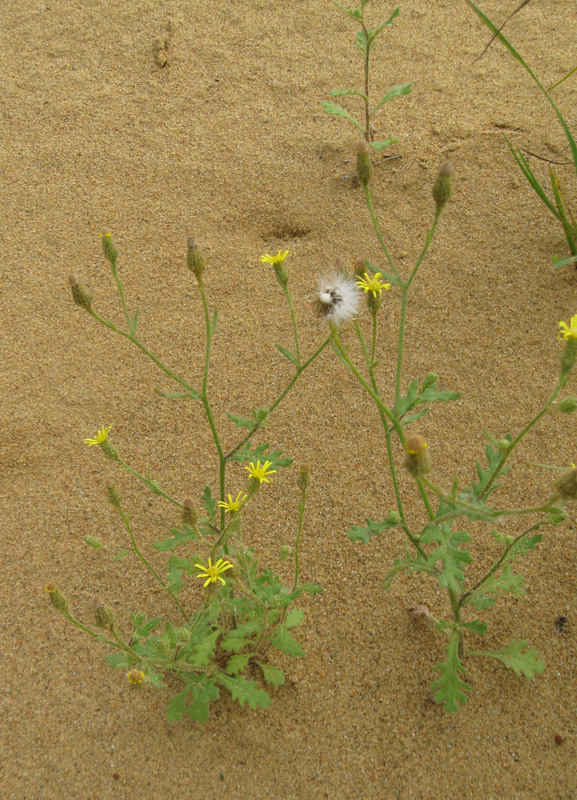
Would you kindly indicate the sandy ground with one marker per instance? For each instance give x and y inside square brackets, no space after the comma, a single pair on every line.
[162,120]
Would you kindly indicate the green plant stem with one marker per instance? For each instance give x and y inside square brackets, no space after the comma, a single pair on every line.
[406,286]
[100,636]
[151,485]
[302,506]
[278,400]
[375,221]
[500,561]
[369,42]
[294,323]
[146,563]
[132,338]
[506,453]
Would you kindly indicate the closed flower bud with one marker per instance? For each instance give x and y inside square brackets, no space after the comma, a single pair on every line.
[417,460]
[567,405]
[109,249]
[103,616]
[304,478]
[442,188]
[182,635]
[80,295]
[569,356]
[189,515]
[57,598]
[393,518]
[364,165]
[566,486]
[194,259]
[431,378]
[114,497]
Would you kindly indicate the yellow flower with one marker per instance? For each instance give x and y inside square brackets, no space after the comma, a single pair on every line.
[135,677]
[233,505]
[100,437]
[568,331]
[374,285]
[261,473]
[212,572]
[278,259]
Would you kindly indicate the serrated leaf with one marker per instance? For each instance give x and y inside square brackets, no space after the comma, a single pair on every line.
[201,653]
[396,91]
[244,691]
[287,354]
[345,92]
[449,552]
[382,143]
[409,564]
[117,660]
[142,627]
[260,454]
[236,664]
[177,395]
[209,503]
[179,536]
[388,22]
[425,394]
[274,676]
[364,533]
[507,582]
[294,617]
[242,422]
[285,642]
[177,705]
[240,637]
[339,111]
[154,678]
[518,656]
[480,628]
[355,13]
[204,690]
[494,459]
[450,689]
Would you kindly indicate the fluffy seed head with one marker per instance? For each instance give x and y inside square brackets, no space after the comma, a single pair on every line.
[337,299]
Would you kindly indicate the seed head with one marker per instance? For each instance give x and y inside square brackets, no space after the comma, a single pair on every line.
[103,616]
[417,460]
[337,299]
[189,515]
[80,295]
[57,598]
[566,486]
[194,259]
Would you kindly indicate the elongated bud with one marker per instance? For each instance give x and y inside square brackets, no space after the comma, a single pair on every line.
[566,486]
[194,259]
[80,295]
[103,616]
[569,356]
[304,477]
[442,188]
[114,497]
[189,515]
[109,249]
[417,461]
[57,598]
[364,165]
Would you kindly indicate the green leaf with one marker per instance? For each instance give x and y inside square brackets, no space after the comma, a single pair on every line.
[494,459]
[388,23]
[238,638]
[396,91]
[345,92]
[272,675]
[480,628]
[258,417]
[177,395]
[355,13]
[96,543]
[518,657]
[287,354]
[450,688]
[294,617]
[236,664]
[382,143]
[134,323]
[121,554]
[449,552]
[360,533]
[339,111]
[284,641]
[260,454]
[204,690]
[244,691]
[179,536]
[209,503]
[424,394]
[213,323]
[117,660]
[361,41]
[409,564]
[201,653]
[507,582]
[143,627]
[177,705]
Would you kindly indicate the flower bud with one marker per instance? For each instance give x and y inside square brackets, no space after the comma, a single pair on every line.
[182,635]
[442,188]
[567,405]
[57,598]
[393,518]
[194,259]
[135,678]
[114,497]
[417,461]
[103,616]
[80,295]
[364,165]
[109,249]
[566,486]
[569,356]
[304,477]
[431,378]
[189,515]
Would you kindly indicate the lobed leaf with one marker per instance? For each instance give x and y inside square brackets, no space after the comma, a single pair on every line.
[449,552]
[396,91]
[244,691]
[285,642]
[339,111]
[364,533]
[517,656]
[274,676]
[450,689]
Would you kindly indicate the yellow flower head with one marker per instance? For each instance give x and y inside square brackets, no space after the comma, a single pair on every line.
[233,505]
[135,677]
[568,331]
[212,572]
[278,259]
[100,437]
[374,285]
[261,473]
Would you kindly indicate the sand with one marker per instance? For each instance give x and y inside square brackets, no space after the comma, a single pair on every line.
[162,120]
